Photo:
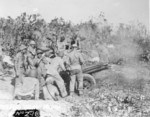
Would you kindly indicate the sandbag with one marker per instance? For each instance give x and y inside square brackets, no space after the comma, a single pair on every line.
[29,86]
[6,90]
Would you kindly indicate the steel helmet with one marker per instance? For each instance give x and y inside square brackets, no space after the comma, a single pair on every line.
[74,45]
[32,42]
[22,47]
[39,51]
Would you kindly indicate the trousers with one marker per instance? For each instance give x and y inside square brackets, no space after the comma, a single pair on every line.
[59,82]
[77,76]
[50,92]
[40,77]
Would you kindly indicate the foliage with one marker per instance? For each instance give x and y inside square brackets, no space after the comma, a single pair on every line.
[32,27]
[95,33]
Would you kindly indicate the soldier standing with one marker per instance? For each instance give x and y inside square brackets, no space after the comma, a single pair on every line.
[31,60]
[20,62]
[40,63]
[75,60]
[23,85]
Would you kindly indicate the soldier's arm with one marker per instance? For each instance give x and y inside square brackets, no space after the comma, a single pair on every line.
[67,63]
[17,63]
[67,59]
[44,71]
[45,61]
[61,62]
[26,62]
[81,59]
[30,60]
[43,66]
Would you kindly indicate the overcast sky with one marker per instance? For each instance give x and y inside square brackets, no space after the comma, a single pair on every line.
[80,10]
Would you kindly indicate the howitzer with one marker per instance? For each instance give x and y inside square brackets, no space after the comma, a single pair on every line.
[89,80]
[95,68]
[91,72]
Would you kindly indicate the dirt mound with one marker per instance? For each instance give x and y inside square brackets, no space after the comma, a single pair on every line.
[123,91]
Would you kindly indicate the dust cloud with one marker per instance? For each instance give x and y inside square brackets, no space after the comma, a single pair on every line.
[132,69]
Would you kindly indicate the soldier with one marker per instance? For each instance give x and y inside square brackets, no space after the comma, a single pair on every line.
[32,46]
[24,84]
[53,73]
[75,61]
[31,60]
[50,91]
[65,74]
[26,41]
[61,44]
[20,62]
[40,63]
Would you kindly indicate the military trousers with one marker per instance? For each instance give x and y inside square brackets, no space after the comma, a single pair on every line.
[77,76]
[59,82]
[40,76]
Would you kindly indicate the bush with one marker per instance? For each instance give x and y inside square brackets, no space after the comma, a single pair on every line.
[126,41]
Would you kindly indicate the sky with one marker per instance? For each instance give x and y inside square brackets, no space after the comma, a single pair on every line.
[116,11]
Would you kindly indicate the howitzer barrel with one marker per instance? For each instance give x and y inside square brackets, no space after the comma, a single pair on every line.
[95,68]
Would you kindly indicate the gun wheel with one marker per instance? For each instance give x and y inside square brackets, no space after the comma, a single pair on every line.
[88,81]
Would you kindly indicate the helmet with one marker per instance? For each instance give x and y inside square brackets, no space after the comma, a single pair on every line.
[25,39]
[74,45]
[32,42]
[39,51]
[22,47]
[42,47]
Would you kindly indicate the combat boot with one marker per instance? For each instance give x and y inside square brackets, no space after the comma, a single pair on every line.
[80,93]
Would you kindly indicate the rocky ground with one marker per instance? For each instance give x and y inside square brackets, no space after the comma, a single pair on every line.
[114,96]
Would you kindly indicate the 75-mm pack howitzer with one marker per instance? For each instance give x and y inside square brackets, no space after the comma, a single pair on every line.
[88,74]
[91,72]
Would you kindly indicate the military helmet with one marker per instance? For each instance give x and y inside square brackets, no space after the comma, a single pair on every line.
[39,51]
[32,42]
[74,45]
[25,39]
[43,48]
[22,47]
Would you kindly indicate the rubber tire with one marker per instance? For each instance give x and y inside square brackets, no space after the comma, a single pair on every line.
[89,78]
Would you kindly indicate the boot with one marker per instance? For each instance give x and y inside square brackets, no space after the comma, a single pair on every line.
[64,94]
[72,94]
[80,92]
